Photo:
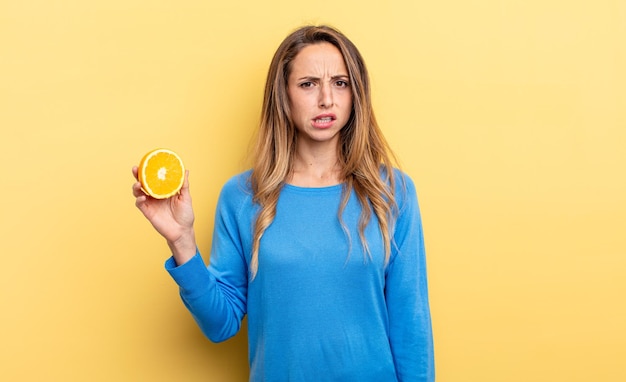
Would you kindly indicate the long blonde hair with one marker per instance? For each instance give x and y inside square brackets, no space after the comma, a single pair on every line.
[364,155]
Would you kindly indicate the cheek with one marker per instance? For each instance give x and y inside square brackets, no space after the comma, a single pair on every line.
[293,110]
[349,97]
[348,103]
[299,106]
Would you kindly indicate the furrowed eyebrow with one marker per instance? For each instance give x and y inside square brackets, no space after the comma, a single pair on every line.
[340,77]
[337,77]
[308,78]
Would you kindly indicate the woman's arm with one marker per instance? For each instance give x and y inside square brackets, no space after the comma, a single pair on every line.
[216,299]
[216,295]
[406,293]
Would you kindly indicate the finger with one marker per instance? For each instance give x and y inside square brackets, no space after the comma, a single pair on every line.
[140,202]
[184,191]
[186,181]
[135,172]
[137,191]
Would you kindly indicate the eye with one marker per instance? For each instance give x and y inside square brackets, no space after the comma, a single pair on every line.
[306,84]
[342,84]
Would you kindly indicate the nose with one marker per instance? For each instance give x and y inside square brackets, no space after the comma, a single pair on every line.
[325,96]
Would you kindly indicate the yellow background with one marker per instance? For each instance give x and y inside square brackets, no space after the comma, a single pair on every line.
[509,115]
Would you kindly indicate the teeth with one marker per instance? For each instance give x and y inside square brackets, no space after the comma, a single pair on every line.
[326,119]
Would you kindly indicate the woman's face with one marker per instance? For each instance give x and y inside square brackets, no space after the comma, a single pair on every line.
[319,92]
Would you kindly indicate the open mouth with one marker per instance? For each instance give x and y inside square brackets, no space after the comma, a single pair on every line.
[324,120]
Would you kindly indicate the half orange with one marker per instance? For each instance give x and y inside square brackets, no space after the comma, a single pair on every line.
[161,173]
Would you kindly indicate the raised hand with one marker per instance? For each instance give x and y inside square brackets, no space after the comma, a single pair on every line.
[172,218]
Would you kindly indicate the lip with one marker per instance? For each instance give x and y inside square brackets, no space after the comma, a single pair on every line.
[323,121]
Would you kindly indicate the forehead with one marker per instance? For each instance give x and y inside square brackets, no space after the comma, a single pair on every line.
[322,56]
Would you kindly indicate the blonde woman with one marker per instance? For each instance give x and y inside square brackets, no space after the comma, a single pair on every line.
[321,242]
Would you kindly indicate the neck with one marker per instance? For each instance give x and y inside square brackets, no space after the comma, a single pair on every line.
[315,168]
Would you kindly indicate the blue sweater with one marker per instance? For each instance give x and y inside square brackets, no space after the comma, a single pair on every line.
[320,308]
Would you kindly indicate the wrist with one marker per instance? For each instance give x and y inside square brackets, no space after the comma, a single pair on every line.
[183,248]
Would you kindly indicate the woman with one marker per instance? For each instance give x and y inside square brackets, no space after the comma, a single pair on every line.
[320,243]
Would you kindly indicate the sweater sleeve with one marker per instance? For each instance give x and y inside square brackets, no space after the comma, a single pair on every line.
[406,293]
[216,295]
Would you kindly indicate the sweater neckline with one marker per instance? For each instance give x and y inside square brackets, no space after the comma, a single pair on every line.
[323,189]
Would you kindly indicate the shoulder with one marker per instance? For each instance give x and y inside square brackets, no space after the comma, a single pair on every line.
[405,193]
[402,179]
[237,190]
[403,183]
[239,183]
